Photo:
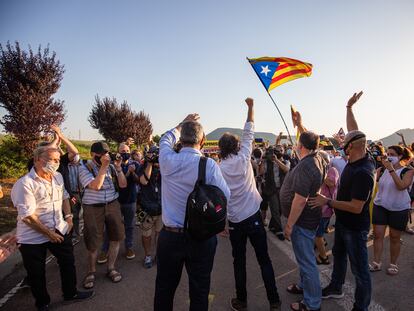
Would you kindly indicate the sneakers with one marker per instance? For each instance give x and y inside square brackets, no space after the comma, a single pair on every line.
[129,254]
[330,292]
[102,258]
[238,305]
[148,262]
[43,308]
[80,296]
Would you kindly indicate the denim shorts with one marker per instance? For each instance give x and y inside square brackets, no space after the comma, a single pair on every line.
[323,225]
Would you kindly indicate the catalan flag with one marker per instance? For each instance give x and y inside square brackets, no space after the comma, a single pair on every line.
[274,71]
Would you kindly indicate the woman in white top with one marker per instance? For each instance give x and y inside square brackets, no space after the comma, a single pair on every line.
[391,204]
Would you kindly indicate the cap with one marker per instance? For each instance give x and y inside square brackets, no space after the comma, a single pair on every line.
[353,136]
[99,147]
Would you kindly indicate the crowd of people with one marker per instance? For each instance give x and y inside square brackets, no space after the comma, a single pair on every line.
[64,198]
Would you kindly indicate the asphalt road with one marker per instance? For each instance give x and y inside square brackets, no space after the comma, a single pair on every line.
[136,290]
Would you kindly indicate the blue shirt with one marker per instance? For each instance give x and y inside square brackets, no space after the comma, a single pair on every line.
[129,194]
[179,174]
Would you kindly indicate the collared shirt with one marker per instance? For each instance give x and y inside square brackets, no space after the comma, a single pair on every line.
[74,177]
[106,194]
[179,174]
[238,172]
[32,194]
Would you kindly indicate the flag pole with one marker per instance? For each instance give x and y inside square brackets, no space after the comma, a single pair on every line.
[281,116]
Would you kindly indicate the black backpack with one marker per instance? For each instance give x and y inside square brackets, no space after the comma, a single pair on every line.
[206,210]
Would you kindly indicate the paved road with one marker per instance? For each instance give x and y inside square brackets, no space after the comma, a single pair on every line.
[136,290]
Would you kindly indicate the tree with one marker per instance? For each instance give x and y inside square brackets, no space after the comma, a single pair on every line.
[116,122]
[28,82]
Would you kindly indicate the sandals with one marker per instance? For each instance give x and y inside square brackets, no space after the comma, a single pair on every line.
[89,280]
[294,289]
[375,266]
[114,276]
[301,307]
[392,269]
[322,261]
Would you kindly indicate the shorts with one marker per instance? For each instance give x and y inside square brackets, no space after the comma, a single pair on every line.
[150,223]
[95,217]
[394,219]
[323,225]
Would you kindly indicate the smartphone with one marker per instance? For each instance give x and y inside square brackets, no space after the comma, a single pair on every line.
[283,137]
[258,140]
[328,148]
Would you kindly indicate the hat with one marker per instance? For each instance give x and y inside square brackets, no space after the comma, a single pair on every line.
[100,147]
[352,136]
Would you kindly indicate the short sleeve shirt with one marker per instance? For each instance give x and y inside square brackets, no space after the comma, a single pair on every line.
[357,182]
[304,179]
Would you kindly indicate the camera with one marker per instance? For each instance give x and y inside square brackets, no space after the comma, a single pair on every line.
[115,156]
[154,158]
[269,153]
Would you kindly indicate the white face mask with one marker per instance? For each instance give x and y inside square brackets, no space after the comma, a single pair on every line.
[394,160]
[50,168]
[76,158]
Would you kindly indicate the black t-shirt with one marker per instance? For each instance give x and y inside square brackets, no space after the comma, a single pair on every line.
[357,182]
[151,192]
[305,179]
[129,194]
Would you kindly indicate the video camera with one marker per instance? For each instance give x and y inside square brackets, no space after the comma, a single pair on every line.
[115,156]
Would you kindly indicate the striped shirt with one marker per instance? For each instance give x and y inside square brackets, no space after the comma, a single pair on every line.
[106,194]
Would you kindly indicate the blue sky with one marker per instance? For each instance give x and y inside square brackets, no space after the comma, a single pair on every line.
[171,58]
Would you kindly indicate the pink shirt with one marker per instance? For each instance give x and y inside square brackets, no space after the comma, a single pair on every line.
[330,192]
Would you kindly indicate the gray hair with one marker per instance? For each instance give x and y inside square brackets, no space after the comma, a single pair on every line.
[191,133]
[43,148]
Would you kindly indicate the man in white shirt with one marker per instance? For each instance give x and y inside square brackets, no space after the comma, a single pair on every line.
[175,248]
[40,197]
[244,217]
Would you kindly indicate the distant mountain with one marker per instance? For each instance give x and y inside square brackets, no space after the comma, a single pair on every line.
[217,133]
[394,139]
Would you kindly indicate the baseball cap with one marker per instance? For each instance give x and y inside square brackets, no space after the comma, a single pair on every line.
[352,136]
[99,147]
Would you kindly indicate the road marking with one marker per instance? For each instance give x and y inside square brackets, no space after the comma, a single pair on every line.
[15,289]
[347,302]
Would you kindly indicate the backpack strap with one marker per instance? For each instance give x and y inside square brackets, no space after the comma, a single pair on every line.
[202,167]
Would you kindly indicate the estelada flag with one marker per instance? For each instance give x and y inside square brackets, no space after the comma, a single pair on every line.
[274,71]
[341,133]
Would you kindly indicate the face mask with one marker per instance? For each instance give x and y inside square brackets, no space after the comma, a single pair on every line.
[76,158]
[278,154]
[393,160]
[50,168]
[342,153]
[125,156]
[289,152]
[97,159]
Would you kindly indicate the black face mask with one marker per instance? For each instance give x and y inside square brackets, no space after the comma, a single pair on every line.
[278,154]
[97,159]
[125,156]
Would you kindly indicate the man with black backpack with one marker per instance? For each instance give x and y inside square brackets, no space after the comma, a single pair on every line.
[180,177]
[245,221]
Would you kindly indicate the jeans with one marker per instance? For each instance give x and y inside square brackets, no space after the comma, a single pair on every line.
[303,242]
[253,229]
[173,252]
[128,211]
[275,210]
[34,260]
[354,244]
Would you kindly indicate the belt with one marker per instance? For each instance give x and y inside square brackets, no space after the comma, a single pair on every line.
[176,230]
[102,204]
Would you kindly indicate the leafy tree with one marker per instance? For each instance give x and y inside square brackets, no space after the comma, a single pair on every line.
[156,139]
[28,82]
[116,122]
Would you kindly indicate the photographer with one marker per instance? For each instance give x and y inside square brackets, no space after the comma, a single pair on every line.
[128,200]
[102,181]
[274,168]
[150,181]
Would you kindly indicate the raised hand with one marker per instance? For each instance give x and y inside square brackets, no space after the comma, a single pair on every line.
[193,117]
[354,99]
[249,101]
